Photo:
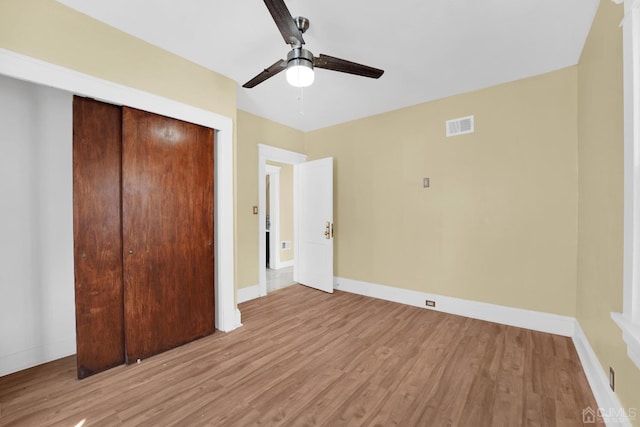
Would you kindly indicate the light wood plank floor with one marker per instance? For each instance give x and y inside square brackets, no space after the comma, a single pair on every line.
[308,358]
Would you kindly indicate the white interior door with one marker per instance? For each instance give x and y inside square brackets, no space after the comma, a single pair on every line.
[313,224]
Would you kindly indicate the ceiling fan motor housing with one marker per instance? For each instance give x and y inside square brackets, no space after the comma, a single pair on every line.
[299,56]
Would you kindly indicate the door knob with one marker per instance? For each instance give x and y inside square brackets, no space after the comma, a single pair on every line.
[130,251]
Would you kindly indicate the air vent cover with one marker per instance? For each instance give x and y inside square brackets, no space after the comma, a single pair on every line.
[460,126]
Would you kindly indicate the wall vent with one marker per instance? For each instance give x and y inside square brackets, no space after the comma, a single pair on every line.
[460,126]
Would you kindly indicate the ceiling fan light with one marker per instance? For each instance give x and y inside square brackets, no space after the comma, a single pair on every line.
[300,73]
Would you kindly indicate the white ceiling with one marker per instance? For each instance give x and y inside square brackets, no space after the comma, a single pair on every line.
[428,49]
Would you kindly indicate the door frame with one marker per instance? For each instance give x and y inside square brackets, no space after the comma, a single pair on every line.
[273,172]
[274,154]
[22,67]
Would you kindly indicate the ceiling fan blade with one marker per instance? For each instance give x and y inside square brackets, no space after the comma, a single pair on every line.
[280,65]
[285,22]
[344,66]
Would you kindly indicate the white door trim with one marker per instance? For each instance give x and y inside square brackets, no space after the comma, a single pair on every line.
[34,70]
[274,205]
[268,153]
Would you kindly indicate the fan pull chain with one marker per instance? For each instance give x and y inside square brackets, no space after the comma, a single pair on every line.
[301,99]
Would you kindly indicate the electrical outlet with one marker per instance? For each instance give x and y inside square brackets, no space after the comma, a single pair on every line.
[612,379]
[430,303]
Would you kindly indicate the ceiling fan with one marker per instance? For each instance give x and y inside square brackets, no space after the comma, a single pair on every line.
[300,62]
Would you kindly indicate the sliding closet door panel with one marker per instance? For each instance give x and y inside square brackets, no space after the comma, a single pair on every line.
[167,232]
[97,141]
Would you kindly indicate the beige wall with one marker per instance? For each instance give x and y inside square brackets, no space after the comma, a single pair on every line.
[499,222]
[600,226]
[48,30]
[254,130]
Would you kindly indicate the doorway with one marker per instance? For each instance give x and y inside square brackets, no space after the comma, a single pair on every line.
[271,161]
[279,225]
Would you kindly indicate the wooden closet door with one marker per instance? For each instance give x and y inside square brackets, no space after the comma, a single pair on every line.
[167,217]
[97,235]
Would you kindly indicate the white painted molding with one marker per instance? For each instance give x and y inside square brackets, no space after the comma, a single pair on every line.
[629,320]
[282,156]
[274,205]
[238,318]
[36,71]
[528,319]
[631,219]
[609,405]
[248,293]
[630,335]
[271,169]
[268,153]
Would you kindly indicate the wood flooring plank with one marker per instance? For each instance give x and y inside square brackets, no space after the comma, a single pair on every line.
[326,405]
[509,393]
[306,358]
[289,398]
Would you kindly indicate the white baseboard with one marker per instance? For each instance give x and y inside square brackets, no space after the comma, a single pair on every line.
[630,335]
[528,319]
[238,319]
[609,407]
[37,356]
[248,293]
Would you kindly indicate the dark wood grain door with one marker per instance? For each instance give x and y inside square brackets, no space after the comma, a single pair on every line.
[97,235]
[167,228]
